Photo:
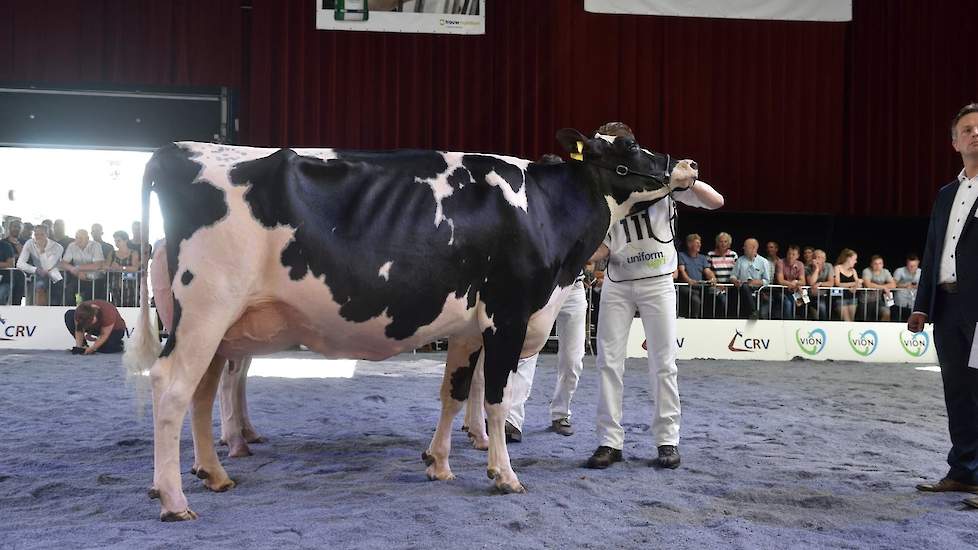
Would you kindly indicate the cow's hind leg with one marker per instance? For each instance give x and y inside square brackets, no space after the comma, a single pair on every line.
[475,412]
[459,366]
[207,465]
[176,376]
[236,428]
[248,431]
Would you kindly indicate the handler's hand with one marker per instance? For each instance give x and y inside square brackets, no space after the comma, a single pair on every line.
[916,321]
[89,350]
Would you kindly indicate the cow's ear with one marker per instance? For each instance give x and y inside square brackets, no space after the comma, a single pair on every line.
[573,142]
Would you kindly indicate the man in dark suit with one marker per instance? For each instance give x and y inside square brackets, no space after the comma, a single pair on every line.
[948,297]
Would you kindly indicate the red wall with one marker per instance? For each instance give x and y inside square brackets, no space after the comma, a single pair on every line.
[844,118]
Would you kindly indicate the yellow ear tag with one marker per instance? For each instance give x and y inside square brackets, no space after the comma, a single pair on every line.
[580,150]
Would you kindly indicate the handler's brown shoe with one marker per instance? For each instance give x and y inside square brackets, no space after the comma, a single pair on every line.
[971,501]
[603,457]
[947,485]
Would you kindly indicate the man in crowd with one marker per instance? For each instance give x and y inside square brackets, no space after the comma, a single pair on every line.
[948,297]
[750,273]
[40,257]
[84,262]
[771,250]
[907,278]
[26,233]
[16,277]
[807,256]
[58,234]
[790,273]
[97,237]
[692,267]
[140,241]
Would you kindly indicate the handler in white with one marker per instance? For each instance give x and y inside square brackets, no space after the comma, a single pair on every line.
[570,323]
[642,258]
[571,329]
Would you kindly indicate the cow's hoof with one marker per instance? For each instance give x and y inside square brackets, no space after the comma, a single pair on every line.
[514,487]
[220,487]
[254,437]
[153,493]
[435,474]
[427,458]
[479,443]
[186,515]
[239,450]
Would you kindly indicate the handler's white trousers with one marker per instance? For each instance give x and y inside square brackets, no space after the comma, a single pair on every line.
[655,299]
[570,323]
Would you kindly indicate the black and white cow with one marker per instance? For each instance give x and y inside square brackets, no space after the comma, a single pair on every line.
[365,255]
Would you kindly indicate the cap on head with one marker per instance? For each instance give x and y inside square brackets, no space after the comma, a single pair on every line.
[616,129]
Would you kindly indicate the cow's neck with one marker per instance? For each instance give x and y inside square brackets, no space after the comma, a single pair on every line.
[584,236]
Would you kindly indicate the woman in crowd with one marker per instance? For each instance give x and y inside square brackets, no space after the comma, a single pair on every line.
[125,264]
[845,277]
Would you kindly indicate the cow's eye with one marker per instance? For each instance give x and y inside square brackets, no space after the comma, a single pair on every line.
[627,145]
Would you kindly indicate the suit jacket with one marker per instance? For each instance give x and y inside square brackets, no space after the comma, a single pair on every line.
[965,256]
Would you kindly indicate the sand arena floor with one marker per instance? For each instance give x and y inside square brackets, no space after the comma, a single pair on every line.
[775,455]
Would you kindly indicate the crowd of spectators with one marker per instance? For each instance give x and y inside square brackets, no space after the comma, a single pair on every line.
[41,265]
[799,285]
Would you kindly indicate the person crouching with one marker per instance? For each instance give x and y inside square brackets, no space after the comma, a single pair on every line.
[98,322]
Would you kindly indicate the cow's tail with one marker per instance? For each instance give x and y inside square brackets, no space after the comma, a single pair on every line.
[144,346]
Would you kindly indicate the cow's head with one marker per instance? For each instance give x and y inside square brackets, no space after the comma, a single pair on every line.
[621,169]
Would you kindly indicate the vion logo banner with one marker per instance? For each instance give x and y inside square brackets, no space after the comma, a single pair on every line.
[916,345]
[863,343]
[812,343]
[12,330]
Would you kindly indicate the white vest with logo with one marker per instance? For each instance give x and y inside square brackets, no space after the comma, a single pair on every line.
[635,242]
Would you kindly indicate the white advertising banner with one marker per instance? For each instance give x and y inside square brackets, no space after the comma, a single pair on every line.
[784,340]
[36,327]
[785,10]
[416,16]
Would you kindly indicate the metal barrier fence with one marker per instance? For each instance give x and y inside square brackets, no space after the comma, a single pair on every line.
[718,301]
[726,301]
[21,288]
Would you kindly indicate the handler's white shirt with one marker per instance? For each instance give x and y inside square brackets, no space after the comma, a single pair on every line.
[634,242]
[964,199]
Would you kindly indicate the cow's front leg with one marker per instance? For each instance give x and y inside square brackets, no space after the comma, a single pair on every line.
[502,353]
[459,366]
[207,465]
[475,413]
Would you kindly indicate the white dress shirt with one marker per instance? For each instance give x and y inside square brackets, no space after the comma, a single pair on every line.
[47,259]
[964,199]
